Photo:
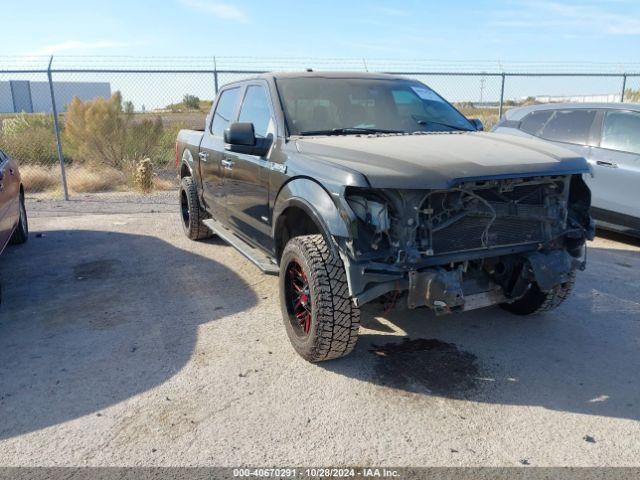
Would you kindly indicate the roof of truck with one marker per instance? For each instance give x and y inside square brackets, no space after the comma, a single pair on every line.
[319,74]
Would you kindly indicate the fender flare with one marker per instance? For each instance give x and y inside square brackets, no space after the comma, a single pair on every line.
[315,201]
[187,160]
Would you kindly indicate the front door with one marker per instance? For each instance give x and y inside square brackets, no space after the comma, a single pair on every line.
[246,186]
[212,152]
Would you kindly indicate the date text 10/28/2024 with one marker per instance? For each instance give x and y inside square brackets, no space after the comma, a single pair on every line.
[316,472]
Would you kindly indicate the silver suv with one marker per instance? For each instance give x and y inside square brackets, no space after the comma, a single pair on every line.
[608,136]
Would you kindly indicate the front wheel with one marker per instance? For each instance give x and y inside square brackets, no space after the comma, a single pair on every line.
[536,301]
[321,320]
[21,233]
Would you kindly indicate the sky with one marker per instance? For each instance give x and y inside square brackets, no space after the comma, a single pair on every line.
[605,31]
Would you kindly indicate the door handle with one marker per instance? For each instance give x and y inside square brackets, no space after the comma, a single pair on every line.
[203,156]
[606,164]
[228,164]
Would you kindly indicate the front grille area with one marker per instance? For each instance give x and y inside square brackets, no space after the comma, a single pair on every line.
[467,234]
[481,218]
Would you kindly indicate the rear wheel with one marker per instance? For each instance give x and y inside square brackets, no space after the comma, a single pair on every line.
[536,301]
[21,233]
[191,213]
[320,317]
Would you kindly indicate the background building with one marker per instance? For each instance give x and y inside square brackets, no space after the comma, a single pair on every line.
[34,97]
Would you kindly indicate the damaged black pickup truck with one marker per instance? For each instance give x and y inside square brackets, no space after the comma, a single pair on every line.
[357,188]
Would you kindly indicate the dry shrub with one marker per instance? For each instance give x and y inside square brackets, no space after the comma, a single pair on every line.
[143,177]
[101,132]
[94,131]
[160,183]
[83,179]
[632,96]
[38,178]
[29,138]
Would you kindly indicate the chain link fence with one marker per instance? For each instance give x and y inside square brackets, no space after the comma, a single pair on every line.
[82,130]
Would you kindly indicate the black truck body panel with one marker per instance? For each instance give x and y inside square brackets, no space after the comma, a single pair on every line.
[514,199]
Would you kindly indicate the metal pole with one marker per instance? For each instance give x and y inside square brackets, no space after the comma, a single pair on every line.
[501,109]
[624,87]
[56,127]
[215,74]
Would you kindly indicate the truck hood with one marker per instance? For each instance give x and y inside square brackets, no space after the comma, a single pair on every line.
[441,160]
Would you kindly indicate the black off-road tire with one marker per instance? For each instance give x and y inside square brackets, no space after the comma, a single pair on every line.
[536,301]
[191,214]
[21,233]
[335,320]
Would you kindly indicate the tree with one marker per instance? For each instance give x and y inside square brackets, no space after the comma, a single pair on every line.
[102,133]
[191,102]
[95,130]
[128,107]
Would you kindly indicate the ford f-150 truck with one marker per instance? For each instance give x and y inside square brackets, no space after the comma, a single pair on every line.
[360,187]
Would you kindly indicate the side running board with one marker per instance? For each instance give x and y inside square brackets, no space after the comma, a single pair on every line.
[262,261]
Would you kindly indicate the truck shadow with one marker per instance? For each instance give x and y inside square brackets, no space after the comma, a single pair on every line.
[90,319]
[581,358]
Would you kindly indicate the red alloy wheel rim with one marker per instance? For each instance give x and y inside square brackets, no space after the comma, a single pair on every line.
[298,298]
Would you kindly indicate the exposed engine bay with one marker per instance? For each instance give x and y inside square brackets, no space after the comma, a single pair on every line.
[480,243]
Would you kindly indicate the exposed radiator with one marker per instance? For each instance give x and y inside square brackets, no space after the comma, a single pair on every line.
[467,234]
[487,218]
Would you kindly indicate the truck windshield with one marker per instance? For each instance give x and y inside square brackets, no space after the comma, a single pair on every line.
[343,106]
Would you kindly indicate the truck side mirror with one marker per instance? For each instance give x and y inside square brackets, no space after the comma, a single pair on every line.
[240,133]
[240,137]
[477,123]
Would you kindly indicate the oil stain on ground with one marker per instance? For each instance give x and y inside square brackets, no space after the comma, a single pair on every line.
[426,365]
[98,270]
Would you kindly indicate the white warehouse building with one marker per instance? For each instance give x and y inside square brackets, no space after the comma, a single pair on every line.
[35,97]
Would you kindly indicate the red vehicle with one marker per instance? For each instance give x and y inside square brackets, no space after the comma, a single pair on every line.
[13,215]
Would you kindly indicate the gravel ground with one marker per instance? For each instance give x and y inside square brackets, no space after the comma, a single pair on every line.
[124,343]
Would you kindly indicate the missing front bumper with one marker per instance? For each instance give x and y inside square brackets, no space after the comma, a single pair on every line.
[450,290]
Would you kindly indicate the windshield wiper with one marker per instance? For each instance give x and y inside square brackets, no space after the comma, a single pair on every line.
[349,131]
[425,122]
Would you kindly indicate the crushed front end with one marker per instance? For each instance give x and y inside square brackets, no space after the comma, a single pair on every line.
[480,243]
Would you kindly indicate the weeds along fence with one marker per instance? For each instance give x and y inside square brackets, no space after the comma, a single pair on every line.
[111,130]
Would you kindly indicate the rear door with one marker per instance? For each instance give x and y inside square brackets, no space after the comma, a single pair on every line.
[247,176]
[212,151]
[7,215]
[616,160]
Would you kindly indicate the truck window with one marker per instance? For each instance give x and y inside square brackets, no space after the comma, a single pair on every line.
[224,111]
[621,131]
[326,103]
[255,109]
[569,126]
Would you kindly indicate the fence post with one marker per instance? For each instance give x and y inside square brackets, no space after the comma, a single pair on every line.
[56,127]
[500,110]
[624,87]
[215,75]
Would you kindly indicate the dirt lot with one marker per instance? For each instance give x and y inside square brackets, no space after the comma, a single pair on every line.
[124,343]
